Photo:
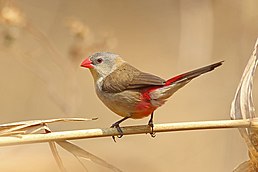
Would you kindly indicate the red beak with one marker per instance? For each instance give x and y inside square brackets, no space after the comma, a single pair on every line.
[87,63]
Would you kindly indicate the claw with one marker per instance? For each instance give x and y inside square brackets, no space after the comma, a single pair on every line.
[120,136]
[114,139]
[116,125]
[151,125]
[153,135]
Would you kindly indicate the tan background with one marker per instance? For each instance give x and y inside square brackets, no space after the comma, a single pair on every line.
[163,37]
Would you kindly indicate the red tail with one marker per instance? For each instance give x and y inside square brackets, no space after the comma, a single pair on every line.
[192,74]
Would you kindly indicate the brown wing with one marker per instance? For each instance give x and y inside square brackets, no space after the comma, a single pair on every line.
[127,77]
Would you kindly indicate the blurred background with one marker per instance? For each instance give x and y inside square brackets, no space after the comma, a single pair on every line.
[44,42]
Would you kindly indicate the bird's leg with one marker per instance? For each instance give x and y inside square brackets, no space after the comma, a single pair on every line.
[116,125]
[150,123]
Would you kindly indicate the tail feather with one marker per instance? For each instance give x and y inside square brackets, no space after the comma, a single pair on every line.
[160,94]
[193,74]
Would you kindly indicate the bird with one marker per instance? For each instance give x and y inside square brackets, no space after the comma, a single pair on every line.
[131,93]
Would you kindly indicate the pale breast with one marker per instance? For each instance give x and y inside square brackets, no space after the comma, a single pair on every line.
[122,103]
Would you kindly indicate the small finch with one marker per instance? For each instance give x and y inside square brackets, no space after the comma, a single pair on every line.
[131,93]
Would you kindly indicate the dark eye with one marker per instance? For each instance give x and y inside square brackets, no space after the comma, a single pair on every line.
[99,60]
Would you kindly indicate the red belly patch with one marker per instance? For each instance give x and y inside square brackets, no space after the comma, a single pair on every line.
[144,108]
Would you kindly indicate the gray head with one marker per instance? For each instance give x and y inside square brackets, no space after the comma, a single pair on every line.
[102,64]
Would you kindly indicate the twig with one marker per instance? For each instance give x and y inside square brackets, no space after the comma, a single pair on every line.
[129,130]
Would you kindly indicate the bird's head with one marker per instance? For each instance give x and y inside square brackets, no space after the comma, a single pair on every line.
[101,64]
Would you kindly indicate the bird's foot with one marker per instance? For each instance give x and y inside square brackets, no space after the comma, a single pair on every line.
[116,125]
[152,125]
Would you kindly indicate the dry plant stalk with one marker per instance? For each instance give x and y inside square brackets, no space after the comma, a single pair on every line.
[243,108]
[106,132]
[21,129]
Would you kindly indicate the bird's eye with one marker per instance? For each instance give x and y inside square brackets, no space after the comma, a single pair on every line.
[99,60]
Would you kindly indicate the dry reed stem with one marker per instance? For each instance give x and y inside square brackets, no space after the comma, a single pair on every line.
[129,130]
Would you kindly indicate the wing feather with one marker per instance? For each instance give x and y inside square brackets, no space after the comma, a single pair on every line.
[128,77]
